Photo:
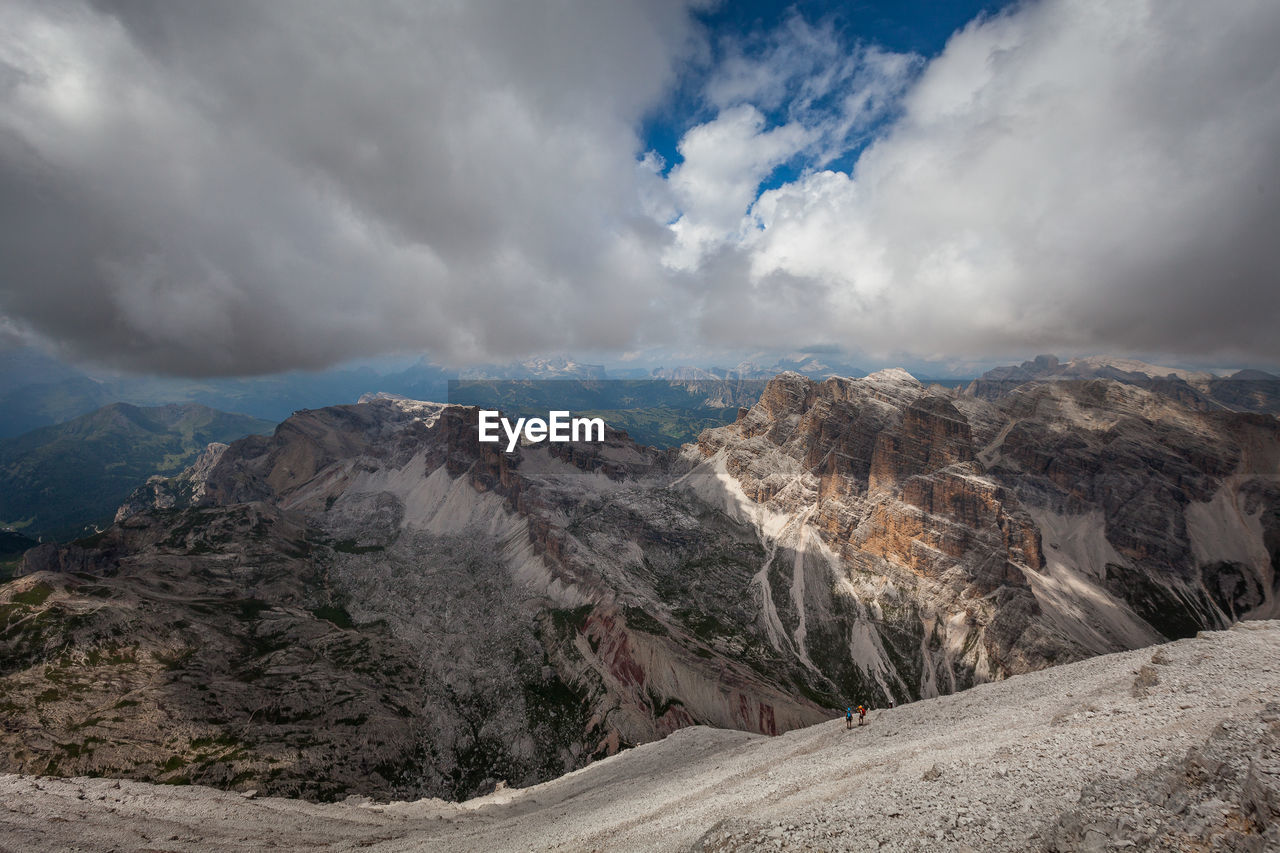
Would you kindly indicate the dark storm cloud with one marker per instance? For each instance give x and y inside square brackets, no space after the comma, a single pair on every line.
[210,187]
[233,187]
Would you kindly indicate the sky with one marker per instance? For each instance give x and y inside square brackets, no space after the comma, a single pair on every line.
[204,189]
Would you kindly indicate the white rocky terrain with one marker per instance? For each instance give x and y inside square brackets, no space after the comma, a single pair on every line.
[1175,748]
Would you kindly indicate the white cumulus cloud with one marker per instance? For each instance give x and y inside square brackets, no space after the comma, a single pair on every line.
[1068,175]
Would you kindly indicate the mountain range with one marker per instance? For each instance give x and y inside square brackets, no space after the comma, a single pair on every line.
[62,481]
[816,365]
[369,601]
[1240,391]
[38,390]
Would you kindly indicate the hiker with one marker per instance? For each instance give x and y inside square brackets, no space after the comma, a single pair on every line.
[862,715]
[848,718]
[891,704]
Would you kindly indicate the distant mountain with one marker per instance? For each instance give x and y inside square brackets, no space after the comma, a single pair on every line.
[689,373]
[61,480]
[1093,367]
[765,366]
[1253,376]
[27,407]
[1242,391]
[25,366]
[558,367]
[36,390]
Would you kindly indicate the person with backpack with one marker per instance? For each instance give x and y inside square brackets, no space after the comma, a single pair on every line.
[862,715]
[848,718]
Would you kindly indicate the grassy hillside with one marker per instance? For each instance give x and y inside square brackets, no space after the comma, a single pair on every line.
[61,480]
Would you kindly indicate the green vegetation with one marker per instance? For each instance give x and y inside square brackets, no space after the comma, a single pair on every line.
[641,620]
[12,546]
[664,426]
[568,621]
[337,615]
[349,546]
[34,596]
[61,480]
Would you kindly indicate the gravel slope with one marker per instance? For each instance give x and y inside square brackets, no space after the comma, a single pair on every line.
[1088,756]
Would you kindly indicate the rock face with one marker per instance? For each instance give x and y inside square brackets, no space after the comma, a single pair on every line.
[981,539]
[168,492]
[372,574]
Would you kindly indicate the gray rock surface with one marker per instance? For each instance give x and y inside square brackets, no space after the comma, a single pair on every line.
[1063,759]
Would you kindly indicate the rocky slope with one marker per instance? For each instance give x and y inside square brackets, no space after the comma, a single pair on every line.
[1176,749]
[371,574]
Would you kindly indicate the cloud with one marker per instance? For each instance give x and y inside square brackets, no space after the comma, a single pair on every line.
[229,188]
[214,188]
[825,96]
[723,163]
[1072,176]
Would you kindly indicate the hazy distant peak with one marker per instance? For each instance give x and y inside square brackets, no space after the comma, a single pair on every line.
[1252,375]
[892,374]
[1092,367]
[1100,364]
[554,367]
[380,395]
